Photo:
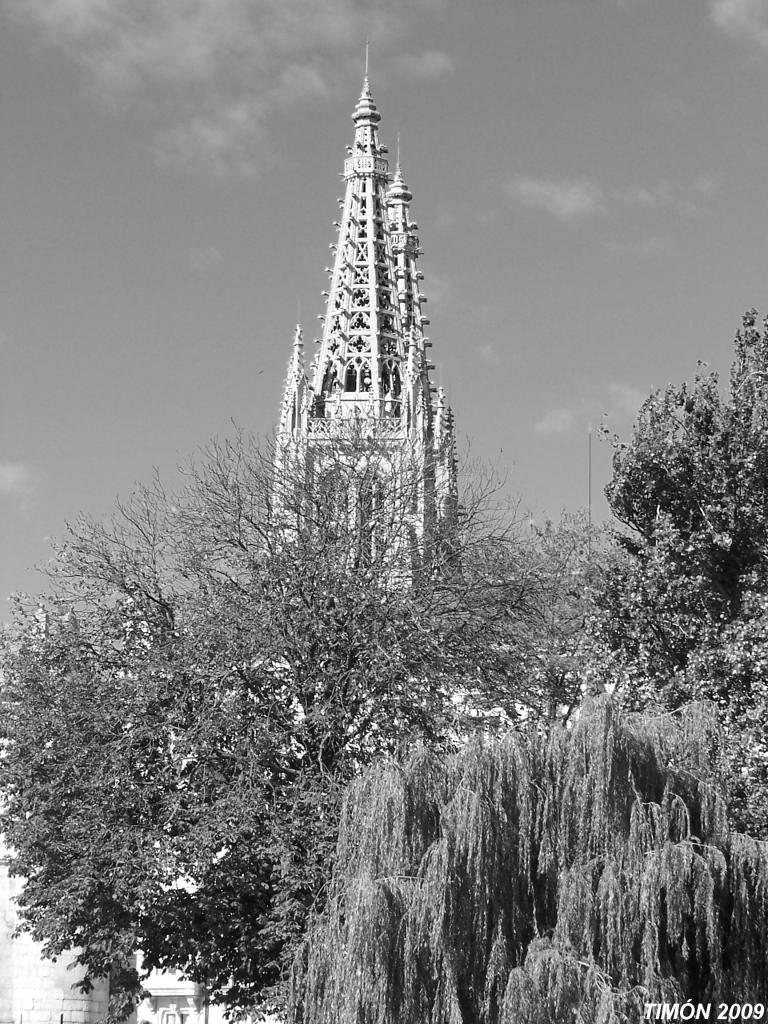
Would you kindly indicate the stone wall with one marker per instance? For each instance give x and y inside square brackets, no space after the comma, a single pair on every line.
[34,990]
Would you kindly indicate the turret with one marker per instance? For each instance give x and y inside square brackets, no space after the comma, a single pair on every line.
[294,408]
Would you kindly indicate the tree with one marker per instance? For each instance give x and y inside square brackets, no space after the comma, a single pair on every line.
[552,648]
[684,613]
[212,667]
[534,879]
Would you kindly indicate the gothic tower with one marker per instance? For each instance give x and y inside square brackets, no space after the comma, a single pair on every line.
[370,379]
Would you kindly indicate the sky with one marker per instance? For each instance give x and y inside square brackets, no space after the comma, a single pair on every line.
[589,180]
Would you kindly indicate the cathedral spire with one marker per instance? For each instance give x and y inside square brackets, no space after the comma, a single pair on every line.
[371,371]
[362,345]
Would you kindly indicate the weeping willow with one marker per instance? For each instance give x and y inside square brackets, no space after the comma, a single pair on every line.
[576,876]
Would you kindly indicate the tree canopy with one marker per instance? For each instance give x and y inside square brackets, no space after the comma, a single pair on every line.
[181,715]
[685,612]
[214,668]
[524,879]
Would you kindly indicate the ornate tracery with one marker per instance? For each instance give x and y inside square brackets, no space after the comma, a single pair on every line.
[371,372]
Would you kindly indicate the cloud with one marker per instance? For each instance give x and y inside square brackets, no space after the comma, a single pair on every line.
[129,43]
[297,83]
[742,19]
[650,246]
[202,258]
[625,400]
[556,421]
[704,185]
[125,44]
[644,196]
[15,479]
[683,197]
[482,314]
[230,137]
[227,140]
[216,72]
[427,64]
[617,402]
[490,355]
[567,200]
[570,200]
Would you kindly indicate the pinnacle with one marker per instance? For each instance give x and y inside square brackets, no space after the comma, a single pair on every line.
[366,108]
[398,189]
[297,359]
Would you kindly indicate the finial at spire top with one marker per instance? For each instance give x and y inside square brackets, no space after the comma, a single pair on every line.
[366,108]
[398,190]
[367,41]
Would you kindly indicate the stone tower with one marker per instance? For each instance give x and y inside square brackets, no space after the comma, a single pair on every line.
[370,378]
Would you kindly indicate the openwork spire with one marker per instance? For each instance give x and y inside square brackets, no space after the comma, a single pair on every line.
[363,347]
[371,369]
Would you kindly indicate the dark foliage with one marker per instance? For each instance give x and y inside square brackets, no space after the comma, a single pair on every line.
[181,716]
[540,879]
[685,613]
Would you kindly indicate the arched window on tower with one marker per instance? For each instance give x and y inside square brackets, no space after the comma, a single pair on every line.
[369,503]
[330,507]
[358,375]
[329,379]
[391,386]
[390,378]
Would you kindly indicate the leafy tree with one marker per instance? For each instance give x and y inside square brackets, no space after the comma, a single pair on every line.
[535,879]
[552,649]
[685,612]
[181,715]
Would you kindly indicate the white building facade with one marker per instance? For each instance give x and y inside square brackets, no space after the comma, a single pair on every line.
[36,990]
